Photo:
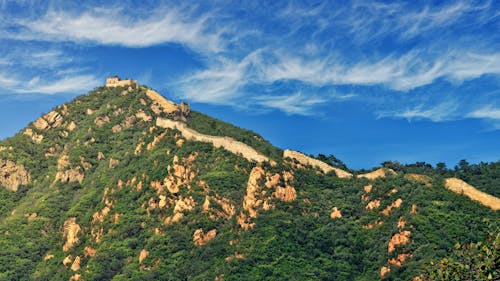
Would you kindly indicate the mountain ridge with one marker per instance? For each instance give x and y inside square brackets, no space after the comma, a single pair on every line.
[124,186]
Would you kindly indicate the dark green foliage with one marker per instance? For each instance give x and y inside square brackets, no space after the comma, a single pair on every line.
[294,240]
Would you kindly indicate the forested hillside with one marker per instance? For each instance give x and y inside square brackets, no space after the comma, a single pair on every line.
[95,190]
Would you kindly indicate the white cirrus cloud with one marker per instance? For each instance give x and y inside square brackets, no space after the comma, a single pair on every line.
[486,112]
[112,27]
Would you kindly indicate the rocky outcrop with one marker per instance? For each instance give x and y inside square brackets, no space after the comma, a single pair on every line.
[379,173]
[460,187]
[200,238]
[398,239]
[66,174]
[50,120]
[12,175]
[373,204]
[143,255]
[395,204]
[182,205]
[70,232]
[35,137]
[286,193]
[306,160]
[335,214]
[426,180]
[76,264]
[227,143]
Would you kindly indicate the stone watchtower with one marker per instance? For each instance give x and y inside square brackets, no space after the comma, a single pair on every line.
[116,82]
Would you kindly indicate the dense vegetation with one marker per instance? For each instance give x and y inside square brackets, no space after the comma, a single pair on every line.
[117,208]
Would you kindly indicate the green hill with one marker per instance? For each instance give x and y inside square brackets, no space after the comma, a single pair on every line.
[100,189]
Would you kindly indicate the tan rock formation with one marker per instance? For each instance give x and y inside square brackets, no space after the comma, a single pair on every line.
[401,223]
[89,111]
[398,239]
[384,271]
[426,180]
[236,255]
[373,204]
[67,260]
[460,187]
[286,193]
[76,264]
[143,116]
[306,160]
[335,214]
[100,121]
[413,209]
[12,175]
[395,204]
[200,239]
[116,129]
[379,173]
[372,225]
[75,277]
[368,188]
[399,260]
[182,205]
[70,233]
[48,256]
[32,217]
[113,163]
[143,255]
[71,126]
[89,252]
[227,143]
[155,141]
[36,138]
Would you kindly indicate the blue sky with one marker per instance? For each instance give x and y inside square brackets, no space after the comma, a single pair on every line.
[366,81]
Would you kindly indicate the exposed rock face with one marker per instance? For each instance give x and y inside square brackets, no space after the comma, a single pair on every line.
[70,233]
[67,260]
[399,260]
[48,257]
[76,264]
[66,175]
[201,239]
[306,160]
[227,143]
[399,239]
[36,138]
[286,193]
[89,252]
[182,205]
[395,204]
[143,255]
[426,180]
[250,201]
[335,214]
[379,173]
[460,187]
[373,204]
[100,121]
[12,175]
[384,271]
[50,120]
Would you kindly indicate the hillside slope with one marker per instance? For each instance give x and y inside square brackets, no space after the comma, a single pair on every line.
[116,186]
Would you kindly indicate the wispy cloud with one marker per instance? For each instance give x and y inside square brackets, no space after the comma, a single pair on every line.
[445,111]
[73,84]
[487,112]
[292,104]
[114,27]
